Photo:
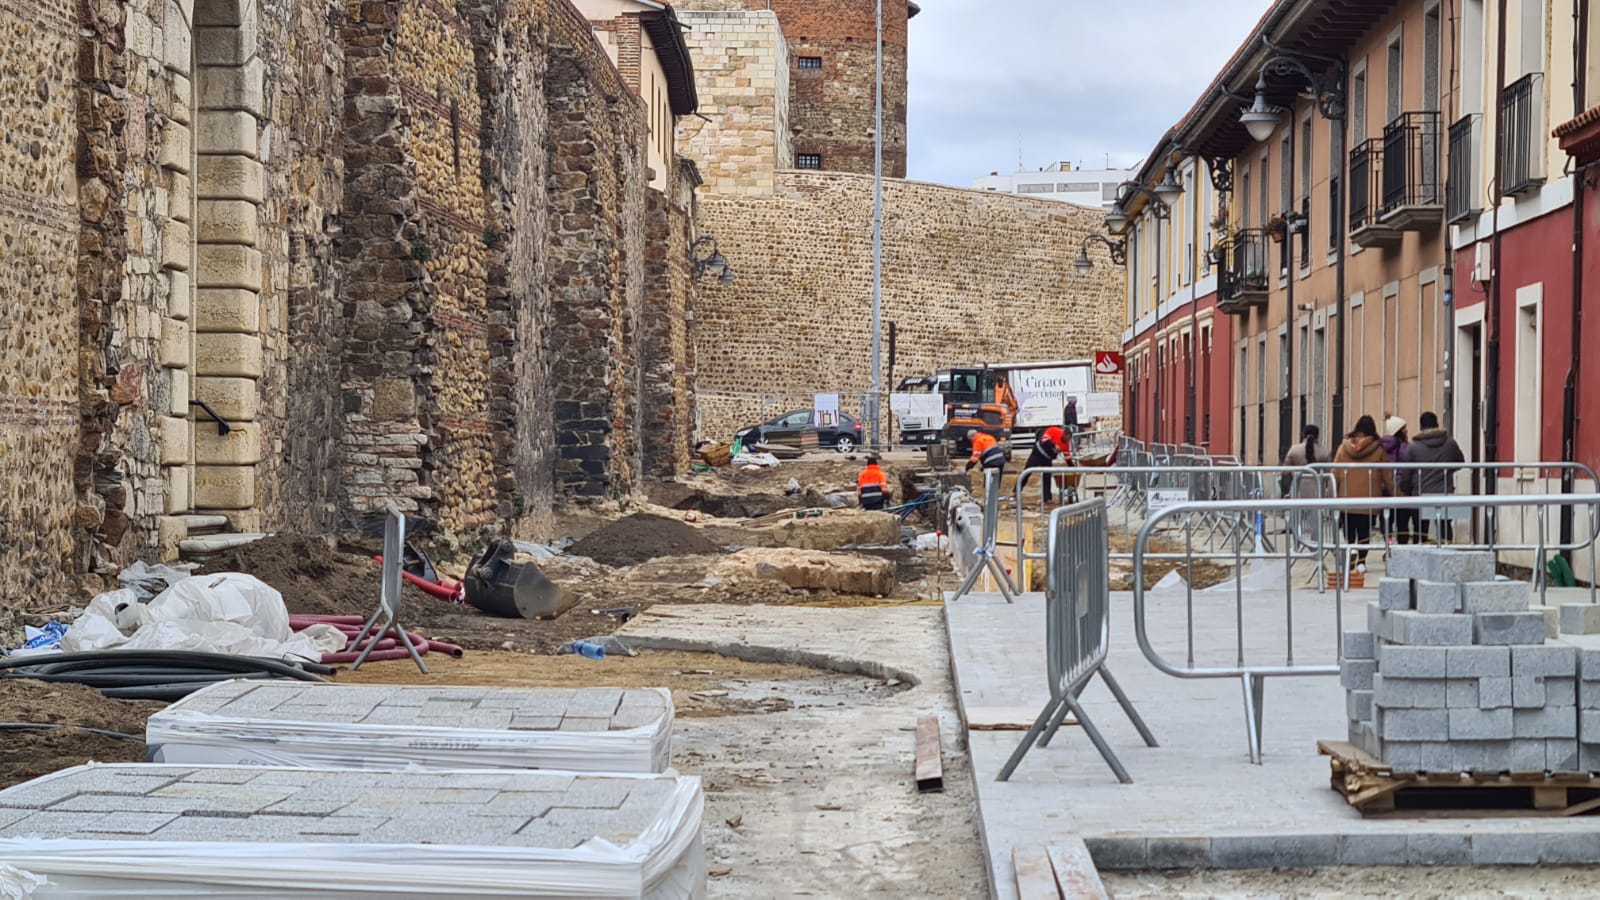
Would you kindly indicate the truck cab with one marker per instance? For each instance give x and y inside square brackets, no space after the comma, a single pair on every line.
[922,429]
[981,399]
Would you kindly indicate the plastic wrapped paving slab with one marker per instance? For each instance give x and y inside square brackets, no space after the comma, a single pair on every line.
[395,726]
[187,831]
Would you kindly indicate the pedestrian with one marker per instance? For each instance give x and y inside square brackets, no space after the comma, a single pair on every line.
[872,486]
[1435,445]
[1308,452]
[1051,444]
[1397,445]
[985,450]
[1361,446]
[1069,416]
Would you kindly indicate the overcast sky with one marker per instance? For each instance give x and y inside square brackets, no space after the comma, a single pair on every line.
[1069,79]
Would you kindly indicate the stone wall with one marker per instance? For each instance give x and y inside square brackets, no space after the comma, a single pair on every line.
[741,65]
[969,276]
[667,340]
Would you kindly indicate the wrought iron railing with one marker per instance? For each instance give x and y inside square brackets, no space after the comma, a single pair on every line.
[1247,268]
[1522,135]
[1366,177]
[1411,161]
[1462,184]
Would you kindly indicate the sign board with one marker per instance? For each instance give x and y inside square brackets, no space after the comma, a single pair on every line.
[1042,393]
[1159,499]
[1107,362]
[918,411]
[1101,404]
[825,410]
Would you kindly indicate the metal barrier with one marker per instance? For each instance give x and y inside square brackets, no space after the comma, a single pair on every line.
[1485,531]
[988,549]
[1253,675]
[1077,632]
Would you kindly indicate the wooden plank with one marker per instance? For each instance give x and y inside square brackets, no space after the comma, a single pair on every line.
[1007,718]
[1550,797]
[930,759]
[1035,879]
[1076,876]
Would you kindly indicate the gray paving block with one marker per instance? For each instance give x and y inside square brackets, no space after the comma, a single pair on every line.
[1356,674]
[1527,693]
[1552,659]
[1121,853]
[1394,593]
[1495,596]
[1273,851]
[131,823]
[1527,755]
[1406,563]
[1436,564]
[1478,662]
[1494,693]
[1482,756]
[1178,852]
[1569,847]
[1548,722]
[1436,596]
[595,793]
[1401,661]
[1430,629]
[1372,849]
[1401,756]
[1589,664]
[1436,756]
[1358,705]
[1408,693]
[1552,620]
[1461,692]
[1589,757]
[1438,849]
[1376,624]
[1560,692]
[1359,645]
[1588,726]
[1480,724]
[1561,755]
[1412,725]
[1499,629]
[1506,849]
[1580,618]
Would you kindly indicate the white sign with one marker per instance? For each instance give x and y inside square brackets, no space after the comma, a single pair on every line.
[1042,393]
[1160,499]
[926,410]
[1102,404]
[825,410]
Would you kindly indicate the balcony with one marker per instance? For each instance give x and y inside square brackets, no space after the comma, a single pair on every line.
[1522,140]
[1462,185]
[1243,282]
[1411,199]
[1366,197]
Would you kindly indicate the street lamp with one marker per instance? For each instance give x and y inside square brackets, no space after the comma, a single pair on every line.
[1119,253]
[1262,118]
[1116,220]
[1170,189]
[708,260]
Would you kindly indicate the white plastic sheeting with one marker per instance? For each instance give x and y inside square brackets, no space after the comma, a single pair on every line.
[227,612]
[189,731]
[665,862]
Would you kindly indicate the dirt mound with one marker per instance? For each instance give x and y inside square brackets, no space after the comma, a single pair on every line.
[642,537]
[29,754]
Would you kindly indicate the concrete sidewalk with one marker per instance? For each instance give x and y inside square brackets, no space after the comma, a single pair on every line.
[1196,800]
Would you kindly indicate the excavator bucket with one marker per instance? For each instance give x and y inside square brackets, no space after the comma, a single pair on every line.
[501,585]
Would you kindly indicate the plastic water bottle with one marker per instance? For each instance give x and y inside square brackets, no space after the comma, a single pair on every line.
[584,648]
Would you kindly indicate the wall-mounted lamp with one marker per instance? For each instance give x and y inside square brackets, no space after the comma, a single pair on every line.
[708,260]
[1262,118]
[1119,253]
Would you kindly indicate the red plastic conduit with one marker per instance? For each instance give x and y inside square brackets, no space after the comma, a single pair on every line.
[387,646]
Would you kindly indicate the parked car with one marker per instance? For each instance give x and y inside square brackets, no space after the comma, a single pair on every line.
[788,428]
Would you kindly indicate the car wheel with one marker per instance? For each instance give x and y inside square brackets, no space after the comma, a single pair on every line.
[844,443]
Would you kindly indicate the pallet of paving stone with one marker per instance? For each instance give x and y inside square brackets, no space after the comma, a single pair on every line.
[139,830]
[373,726]
[1378,791]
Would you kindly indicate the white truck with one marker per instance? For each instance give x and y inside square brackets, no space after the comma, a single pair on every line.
[968,398]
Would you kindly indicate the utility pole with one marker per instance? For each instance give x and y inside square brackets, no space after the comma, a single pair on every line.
[877,247]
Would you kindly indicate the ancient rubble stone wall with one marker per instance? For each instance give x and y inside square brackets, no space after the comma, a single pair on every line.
[741,66]
[39,238]
[668,395]
[969,276]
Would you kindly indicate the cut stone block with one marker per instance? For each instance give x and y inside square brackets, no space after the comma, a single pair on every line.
[1589,726]
[1588,664]
[1437,597]
[1580,618]
[1560,692]
[1356,674]
[241,446]
[1545,660]
[1527,692]
[1436,756]
[232,133]
[1461,692]
[1412,724]
[1399,661]
[1358,705]
[1561,755]
[1394,593]
[234,399]
[1528,755]
[1494,693]
[1480,724]
[1495,596]
[1402,756]
[1432,630]
[1375,621]
[1499,629]
[1359,645]
[224,487]
[233,355]
[1435,564]
[1547,722]
[1408,693]
[1482,756]
[1478,662]
[1589,757]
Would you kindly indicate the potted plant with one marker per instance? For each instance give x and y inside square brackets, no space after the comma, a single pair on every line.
[1255,280]
[1278,227]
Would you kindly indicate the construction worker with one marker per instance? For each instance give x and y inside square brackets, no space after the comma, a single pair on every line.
[985,450]
[1052,443]
[1006,399]
[872,486]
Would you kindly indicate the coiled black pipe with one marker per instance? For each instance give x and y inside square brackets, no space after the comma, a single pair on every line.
[154,674]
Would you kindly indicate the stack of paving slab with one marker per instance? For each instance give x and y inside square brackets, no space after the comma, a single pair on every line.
[188,831]
[400,726]
[1455,673]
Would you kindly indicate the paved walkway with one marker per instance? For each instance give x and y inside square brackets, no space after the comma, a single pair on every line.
[1196,800]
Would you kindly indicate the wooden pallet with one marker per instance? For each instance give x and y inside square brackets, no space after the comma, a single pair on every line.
[1373,787]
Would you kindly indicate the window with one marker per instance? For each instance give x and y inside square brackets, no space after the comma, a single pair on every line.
[1305,193]
[1244,197]
[1531,56]
[808,160]
[1335,186]
[1286,190]
[1358,105]
[1430,59]
[810,62]
[1077,187]
[1036,188]
[1394,78]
